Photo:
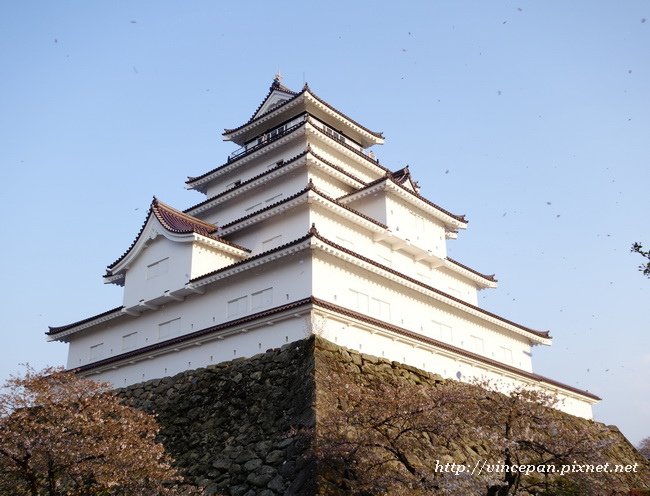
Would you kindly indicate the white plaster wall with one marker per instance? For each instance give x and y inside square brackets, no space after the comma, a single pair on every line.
[328,184]
[138,286]
[373,205]
[248,344]
[251,201]
[341,282]
[289,277]
[430,359]
[416,226]
[207,259]
[256,166]
[357,239]
[275,231]
[324,149]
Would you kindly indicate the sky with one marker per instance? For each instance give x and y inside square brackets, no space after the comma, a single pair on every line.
[531,118]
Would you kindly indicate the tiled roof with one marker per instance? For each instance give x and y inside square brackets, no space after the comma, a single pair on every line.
[253,258]
[230,162]
[484,276]
[449,347]
[388,177]
[253,118]
[275,85]
[55,330]
[177,222]
[248,181]
[305,89]
[542,334]
[374,161]
[310,187]
[193,335]
[374,133]
[340,310]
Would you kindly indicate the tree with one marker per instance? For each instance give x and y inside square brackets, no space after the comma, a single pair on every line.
[526,429]
[396,436]
[63,435]
[644,447]
[379,436]
[644,267]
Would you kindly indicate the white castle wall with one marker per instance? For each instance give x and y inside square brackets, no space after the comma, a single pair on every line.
[349,286]
[374,342]
[288,279]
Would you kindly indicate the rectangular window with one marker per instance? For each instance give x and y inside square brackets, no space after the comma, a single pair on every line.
[277,131]
[442,331]
[262,299]
[97,351]
[334,134]
[158,268]
[169,328]
[506,354]
[130,341]
[271,243]
[238,306]
[359,301]
[380,309]
[477,344]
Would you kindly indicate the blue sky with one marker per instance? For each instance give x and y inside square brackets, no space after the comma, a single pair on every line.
[530,118]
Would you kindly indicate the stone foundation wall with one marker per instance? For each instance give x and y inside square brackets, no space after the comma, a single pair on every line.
[237,428]
[244,427]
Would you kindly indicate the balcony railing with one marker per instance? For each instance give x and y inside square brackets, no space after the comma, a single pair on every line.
[267,138]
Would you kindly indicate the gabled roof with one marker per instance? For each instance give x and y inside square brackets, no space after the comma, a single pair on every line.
[180,222]
[389,179]
[404,178]
[276,87]
[305,94]
[175,222]
[285,163]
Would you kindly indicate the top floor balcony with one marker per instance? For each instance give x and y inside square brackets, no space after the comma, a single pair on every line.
[287,127]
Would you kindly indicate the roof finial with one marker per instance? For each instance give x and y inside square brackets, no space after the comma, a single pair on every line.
[278,77]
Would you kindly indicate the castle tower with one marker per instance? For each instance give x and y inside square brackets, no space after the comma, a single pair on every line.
[303,230]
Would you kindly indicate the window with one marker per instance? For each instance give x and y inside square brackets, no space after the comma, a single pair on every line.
[477,344]
[276,132]
[359,301]
[169,328]
[130,341]
[262,299]
[334,134]
[506,354]
[380,309]
[158,268]
[442,331]
[238,306]
[97,351]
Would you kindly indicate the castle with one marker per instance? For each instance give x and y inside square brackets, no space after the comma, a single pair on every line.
[303,231]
